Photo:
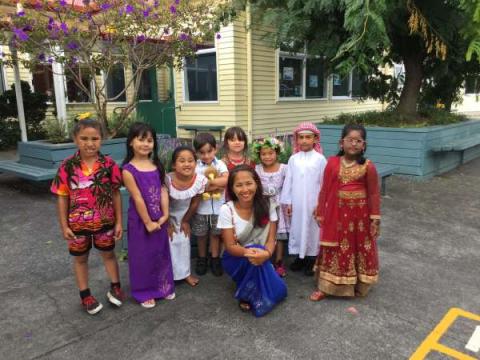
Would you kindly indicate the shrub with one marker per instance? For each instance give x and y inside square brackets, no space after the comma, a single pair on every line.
[426,117]
[9,133]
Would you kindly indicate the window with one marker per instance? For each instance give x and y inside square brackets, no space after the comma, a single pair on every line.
[291,77]
[315,80]
[472,85]
[348,86]
[299,81]
[42,80]
[145,91]
[74,93]
[201,76]
[116,83]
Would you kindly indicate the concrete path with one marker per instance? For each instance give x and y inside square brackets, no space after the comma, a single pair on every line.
[429,253]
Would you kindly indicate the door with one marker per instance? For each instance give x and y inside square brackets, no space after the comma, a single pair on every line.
[155,107]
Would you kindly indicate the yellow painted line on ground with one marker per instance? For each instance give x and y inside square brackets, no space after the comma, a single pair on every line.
[431,343]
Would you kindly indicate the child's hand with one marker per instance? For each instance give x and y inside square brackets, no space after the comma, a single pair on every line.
[68,234]
[288,210]
[170,230]
[257,257]
[162,220]
[152,226]
[375,228]
[185,227]
[117,231]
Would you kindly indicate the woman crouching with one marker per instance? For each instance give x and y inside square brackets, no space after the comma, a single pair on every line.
[249,224]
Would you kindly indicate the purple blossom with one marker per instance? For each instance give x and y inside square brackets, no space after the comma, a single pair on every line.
[64,28]
[63,3]
[173,9]
[140,38]
[38,6]
[41,57]
[219,36]
[20,34]
[128,9]
[50,20]
[72,45]
[183,37]
[155,3]
[50,60]
[74,30]
[105,7]
[165,31]
[177,2]
[146,13]
[21,13]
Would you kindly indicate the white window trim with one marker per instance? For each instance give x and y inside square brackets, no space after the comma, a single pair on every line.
[470,94]
[104,77]
[184,78]
[350,89]
[303,57]
[4,73]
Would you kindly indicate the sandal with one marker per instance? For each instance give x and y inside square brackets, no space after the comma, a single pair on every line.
[244,306]
[148,304]
[317,295]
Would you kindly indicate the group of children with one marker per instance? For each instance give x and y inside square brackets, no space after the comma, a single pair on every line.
[165,209]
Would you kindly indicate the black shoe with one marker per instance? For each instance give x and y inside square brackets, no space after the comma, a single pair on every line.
[309,264]
[201,267]
[216,266]
[298,264]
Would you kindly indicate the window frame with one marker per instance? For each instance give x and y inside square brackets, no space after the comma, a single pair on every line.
[54,95]
[105,76]
[299,56]
[477,85]
[350,88]
[186,99]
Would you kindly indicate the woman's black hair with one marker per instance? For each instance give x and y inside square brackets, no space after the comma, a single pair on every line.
[87,123]
[239,133]
[142,130]
[177,152]
[261,204]
[355,127]
[203,139]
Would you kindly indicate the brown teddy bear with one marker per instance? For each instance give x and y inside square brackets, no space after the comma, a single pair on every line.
[211,173]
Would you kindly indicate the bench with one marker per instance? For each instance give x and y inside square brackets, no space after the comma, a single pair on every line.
[31,172]
[459,145]
[384,171]
[197,128]
[25,171]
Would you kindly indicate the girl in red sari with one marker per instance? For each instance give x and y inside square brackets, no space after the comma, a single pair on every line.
[349,213]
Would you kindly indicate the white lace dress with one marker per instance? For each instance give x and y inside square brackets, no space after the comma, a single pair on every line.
[180,243]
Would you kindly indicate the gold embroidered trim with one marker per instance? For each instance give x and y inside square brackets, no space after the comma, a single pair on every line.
[329,244]
[342,280]
[368,279]
[335,290]
[352,173]
[349,195]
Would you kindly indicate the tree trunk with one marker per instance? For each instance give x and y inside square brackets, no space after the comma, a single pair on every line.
[413,82]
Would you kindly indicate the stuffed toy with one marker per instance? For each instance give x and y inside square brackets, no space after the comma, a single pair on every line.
[211,173]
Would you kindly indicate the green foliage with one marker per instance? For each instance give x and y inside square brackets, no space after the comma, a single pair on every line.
[471,32]
[56,131]
[9,133]
[121,125]
[426,117]
[35,106]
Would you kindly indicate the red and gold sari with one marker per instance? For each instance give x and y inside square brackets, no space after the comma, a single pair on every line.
[350,198]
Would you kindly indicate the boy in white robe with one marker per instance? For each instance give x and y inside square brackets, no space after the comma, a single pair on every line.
[300,191]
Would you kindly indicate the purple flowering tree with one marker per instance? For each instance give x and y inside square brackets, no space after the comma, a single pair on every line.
[89,37]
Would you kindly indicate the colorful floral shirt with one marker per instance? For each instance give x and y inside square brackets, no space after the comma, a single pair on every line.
[90,192]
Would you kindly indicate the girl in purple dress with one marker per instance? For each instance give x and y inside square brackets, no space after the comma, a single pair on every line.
[149,262]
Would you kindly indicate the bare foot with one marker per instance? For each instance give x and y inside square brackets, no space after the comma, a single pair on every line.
[317,295]
[192,280]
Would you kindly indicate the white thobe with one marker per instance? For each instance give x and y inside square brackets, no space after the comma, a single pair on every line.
[302,185]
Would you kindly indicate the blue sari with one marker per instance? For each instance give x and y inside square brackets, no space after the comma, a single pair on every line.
[260,286]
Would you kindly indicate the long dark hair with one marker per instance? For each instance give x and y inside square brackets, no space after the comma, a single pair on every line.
[239,133]
[142,130]
[261,204]
[355,127]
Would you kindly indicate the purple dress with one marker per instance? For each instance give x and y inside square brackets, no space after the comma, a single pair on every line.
[149,262]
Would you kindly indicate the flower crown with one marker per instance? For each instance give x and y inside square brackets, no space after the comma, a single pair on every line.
[271,143]
[83,116]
